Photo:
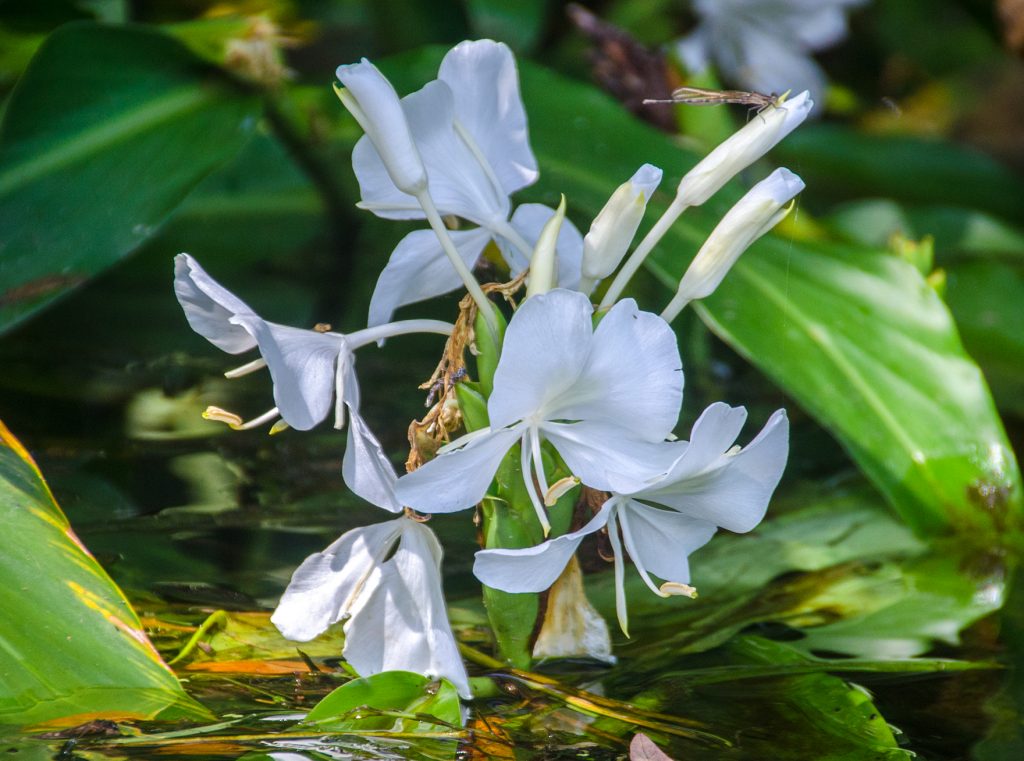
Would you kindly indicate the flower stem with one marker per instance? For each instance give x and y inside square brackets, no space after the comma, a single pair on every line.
[650,240]
[460,266]
[367,336]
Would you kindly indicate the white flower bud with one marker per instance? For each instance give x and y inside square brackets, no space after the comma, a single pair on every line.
[544,264]
[615,225]
[742,149]
[752,216]
[371,99]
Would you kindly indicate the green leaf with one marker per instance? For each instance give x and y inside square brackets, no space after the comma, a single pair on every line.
[105,134]
[827,705]
[839,161]
[986,299]
[868,348]
[78,649]
[392,700]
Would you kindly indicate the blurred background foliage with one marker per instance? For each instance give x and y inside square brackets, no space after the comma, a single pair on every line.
[886,315]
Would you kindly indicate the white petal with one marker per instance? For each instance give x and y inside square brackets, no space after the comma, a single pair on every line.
[366,469]
[380,114]
[419,269]
[484,81]
[402,623]
[734,493]
[528,220]
[458,478]
[606,457]
[659,541]
[714,432]
[633,376]
[545,347]
[324,588]
[533,569]
[302,364]
[209,307]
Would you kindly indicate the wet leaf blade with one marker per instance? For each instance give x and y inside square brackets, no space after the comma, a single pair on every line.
[399,700]
[79,649]
[95,157]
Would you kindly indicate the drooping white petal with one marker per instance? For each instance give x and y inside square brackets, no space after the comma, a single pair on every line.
[302,364]
[375,105]
[528,220]
[711,436]
[734,491]
[660,541]
[366,468]
[458,478]
[545,347]
[457,182]
[401,623]
[418,269]
[606,457]
[633,376]
[483,79]
[324,588]
[209,307]
[533,569]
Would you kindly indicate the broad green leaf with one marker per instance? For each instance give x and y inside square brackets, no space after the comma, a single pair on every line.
[839,161]
[105,134]
[984,287]
[827,705]
[398,700]
[866,346]
[986,299]
[78,651]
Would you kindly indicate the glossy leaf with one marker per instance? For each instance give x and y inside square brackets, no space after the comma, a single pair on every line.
[840,161]
[95,157]
[78,650]
[398,700]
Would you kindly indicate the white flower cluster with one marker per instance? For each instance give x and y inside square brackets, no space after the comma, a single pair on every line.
[602,390]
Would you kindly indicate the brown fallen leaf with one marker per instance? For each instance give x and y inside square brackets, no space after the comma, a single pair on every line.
[642,748]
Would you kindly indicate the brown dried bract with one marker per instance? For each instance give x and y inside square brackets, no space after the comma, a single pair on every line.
[427,435]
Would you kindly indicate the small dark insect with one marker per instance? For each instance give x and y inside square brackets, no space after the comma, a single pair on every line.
[698,96]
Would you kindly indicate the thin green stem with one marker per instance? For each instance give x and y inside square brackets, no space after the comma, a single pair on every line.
[460,266]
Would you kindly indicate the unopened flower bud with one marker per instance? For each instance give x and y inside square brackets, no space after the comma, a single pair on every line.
[756,213]
[615,225]
[544,263]
[742,149]
[371,99]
